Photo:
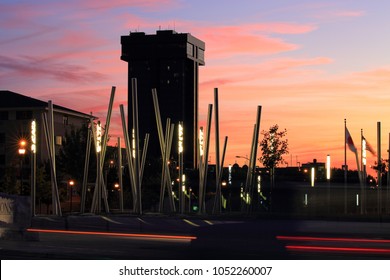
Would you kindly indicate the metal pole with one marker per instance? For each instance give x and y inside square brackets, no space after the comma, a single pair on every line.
[217,202]
[33,164]
[203,184]
[56,209]
[256,141]
[120,175]
[136,137]
[86,169]
[379,168]
[129,155]
[345,166]
[180,152]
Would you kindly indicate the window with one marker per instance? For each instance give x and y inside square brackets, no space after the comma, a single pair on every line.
[200,54]
[23,115]
[65,120]
[190,49]
[4,115]
[59,140]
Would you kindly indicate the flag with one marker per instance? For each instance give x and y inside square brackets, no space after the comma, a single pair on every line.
[349,141]
[369,147]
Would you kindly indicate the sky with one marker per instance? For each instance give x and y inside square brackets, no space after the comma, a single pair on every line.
[309,64]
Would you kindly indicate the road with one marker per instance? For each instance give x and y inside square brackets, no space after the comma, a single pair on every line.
[187,238]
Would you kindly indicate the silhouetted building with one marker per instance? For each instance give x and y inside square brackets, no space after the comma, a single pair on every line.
[167,61]
[16,113]
[319,170]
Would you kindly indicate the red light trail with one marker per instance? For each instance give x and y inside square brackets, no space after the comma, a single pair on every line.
[114,234]
[337,239]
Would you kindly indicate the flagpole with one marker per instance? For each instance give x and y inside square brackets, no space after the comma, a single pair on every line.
[379,168]
[345,166]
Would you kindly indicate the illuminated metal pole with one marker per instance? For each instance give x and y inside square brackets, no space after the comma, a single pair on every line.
[364,174]
[328,174]
[136,137]
[379,168]
[313,174]
[120,175]
[165,146]
[86,168]
[203,184]
[180,150]
[48,127]
[217,204]
[200,148]
[252,164]
[128,154]
[33,164]
[345,166]
[98,188]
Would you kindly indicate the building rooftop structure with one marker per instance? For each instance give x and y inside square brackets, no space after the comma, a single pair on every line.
[169,62]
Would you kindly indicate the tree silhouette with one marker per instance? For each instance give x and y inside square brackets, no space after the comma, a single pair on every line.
[273,147]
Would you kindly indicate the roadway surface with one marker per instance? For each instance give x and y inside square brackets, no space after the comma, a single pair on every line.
[186,238]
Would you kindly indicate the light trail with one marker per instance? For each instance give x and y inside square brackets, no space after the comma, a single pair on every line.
[330,239]
[338,249]
[114,234]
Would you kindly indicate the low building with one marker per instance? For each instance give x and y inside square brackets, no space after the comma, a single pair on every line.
[16,114]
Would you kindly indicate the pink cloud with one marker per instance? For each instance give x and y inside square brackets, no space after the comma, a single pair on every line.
[338,14]
[33,67]
[224,41]
[218,75]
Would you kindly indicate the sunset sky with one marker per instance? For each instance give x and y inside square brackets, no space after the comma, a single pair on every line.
[309,64]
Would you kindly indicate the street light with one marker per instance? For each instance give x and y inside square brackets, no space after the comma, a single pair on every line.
[71,184]
[246,158]
[21,152]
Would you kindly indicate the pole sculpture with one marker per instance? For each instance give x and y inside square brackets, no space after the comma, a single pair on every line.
[86,167]
[250,179]
[165,146]
[101,147]
[218,163]
[135,164]
[48,127]
[33,164]
[203,168]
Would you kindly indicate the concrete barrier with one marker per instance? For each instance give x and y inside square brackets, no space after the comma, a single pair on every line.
[15,217]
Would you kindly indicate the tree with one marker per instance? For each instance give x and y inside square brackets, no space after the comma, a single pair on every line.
[273,147]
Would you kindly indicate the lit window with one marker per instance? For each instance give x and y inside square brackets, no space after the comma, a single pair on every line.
[59,140]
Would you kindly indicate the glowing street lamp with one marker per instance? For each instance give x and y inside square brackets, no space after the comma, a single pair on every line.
[22,147]
[21,152]
[71,185]
[312,176]
[328,167]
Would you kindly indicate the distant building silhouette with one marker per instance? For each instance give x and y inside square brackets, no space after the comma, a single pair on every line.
[167,61]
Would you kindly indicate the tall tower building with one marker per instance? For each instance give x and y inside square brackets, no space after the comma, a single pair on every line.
[169,62]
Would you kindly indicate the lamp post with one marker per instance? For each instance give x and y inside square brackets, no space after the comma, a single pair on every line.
[246,158]
[71,184]
[21,152]
[328,178]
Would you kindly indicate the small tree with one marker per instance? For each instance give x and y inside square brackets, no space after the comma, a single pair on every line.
[273,147]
